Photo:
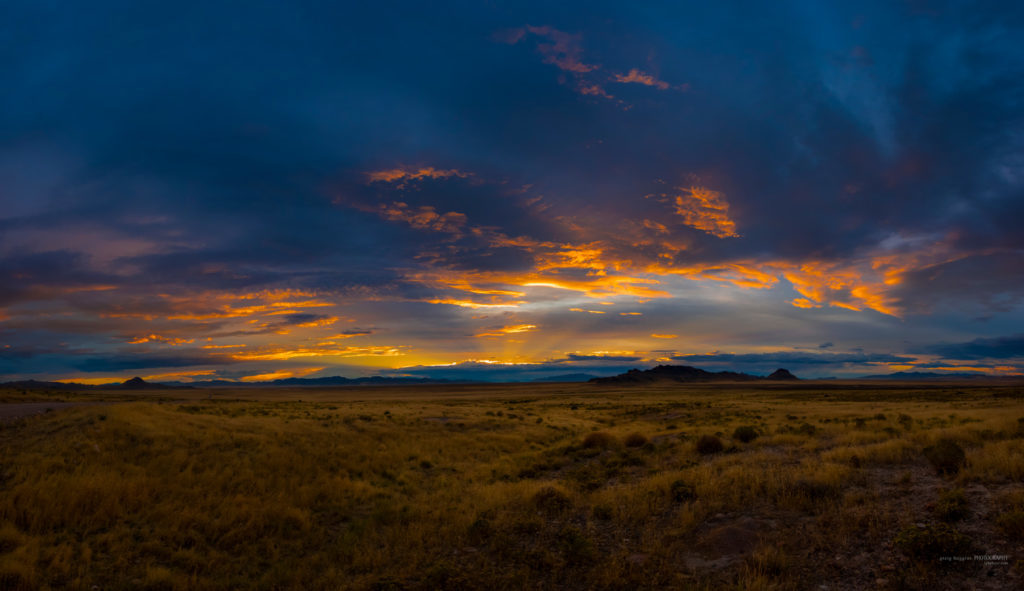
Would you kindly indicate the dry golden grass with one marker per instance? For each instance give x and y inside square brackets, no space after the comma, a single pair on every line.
[504,487]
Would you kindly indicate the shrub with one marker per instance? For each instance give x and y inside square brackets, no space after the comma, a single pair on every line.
[946,456]
[576,547]
[551,500]
[599,439]
[13,579]
[635,440]
[932,542]
[814,490]
[769,560]
[681,492]
[746,434]
[1012,524]
[709,444]
[480,531]
[952,505]
[807,429]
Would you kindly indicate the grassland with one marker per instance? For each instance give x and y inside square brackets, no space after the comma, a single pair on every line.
[558,486]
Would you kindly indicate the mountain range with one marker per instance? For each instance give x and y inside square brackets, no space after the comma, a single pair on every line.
[686,373]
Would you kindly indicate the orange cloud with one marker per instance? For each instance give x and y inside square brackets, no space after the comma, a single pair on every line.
[637,77]
[659,228]
[423,218]
[852,285]
[319,322]
[588,256]
[665,336]
[349,335]
[634,257]
[281,374]
[804,303]
[500,287]
[707,211]
[507,330]
[276,295]
[594,90]
[472,304]
[155,338]
[203,309]
[746,274]
[563,50]
[176,376]
[283,353]
[855,283]
[606,267]
[412,174]
[302,304]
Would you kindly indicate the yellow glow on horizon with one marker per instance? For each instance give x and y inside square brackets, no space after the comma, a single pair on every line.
[91,381]
[280,374]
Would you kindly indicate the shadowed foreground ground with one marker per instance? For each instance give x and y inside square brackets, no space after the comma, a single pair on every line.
[796,486]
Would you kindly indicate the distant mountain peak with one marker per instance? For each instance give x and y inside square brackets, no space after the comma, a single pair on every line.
[138,383]
[782,374]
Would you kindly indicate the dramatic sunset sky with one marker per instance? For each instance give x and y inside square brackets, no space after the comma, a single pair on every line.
[488,190]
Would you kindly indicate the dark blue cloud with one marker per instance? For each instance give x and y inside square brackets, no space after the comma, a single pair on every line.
[1009,347]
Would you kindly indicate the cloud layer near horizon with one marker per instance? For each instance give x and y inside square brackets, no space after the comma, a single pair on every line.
[325,189]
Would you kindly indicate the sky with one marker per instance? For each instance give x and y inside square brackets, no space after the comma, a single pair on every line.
[509,190]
